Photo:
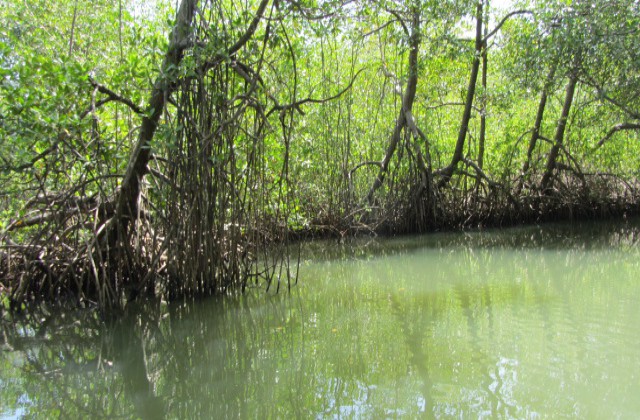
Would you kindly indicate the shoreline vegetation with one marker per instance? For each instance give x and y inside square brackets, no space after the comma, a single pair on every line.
[148,151]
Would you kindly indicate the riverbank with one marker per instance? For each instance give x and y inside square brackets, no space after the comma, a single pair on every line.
[35,273]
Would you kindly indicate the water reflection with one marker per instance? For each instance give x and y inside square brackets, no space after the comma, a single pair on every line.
[532,322]
[75,365]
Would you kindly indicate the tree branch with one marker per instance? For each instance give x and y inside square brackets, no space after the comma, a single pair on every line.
[250,30]
[378,29]
[602,94]
[360,165]
[503,21]
[396,14]
[482,174]
[64,134]
[619,127]
[297,104]
[112,96]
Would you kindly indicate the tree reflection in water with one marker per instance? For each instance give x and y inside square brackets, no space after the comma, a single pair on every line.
[521,323]
[74,364]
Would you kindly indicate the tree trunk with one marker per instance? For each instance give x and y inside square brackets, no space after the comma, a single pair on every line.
[127,207]
[447,171]
[115,248]
[127,204]
[547,178]
[483,115]
[535,134]
[407,106]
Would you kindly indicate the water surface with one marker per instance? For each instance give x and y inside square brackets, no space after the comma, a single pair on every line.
[536,322]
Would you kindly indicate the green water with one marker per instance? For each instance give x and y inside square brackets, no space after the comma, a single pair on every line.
[521,323]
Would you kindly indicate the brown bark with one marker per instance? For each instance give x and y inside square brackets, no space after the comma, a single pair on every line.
[483,114]
[619,127]
[127,208]
[127,203]
[447,171]
[407,106]
[535,134]
[558,139]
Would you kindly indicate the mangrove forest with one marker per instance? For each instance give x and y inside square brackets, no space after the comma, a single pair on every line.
[184,148]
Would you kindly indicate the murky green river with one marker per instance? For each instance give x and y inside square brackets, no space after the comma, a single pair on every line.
[520,323]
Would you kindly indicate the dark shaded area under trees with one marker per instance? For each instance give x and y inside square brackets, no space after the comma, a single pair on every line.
[131,165]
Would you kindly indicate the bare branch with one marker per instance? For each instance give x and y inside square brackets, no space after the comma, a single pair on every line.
[111,96]
[396,14]
[482,174]
[503,21]
[588,80]
[379,28]
[296,105]
[360,165]
[619,127]
[61,137]
[31,221]
[250,30]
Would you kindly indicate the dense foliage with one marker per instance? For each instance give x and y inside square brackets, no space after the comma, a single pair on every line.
[147,149]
